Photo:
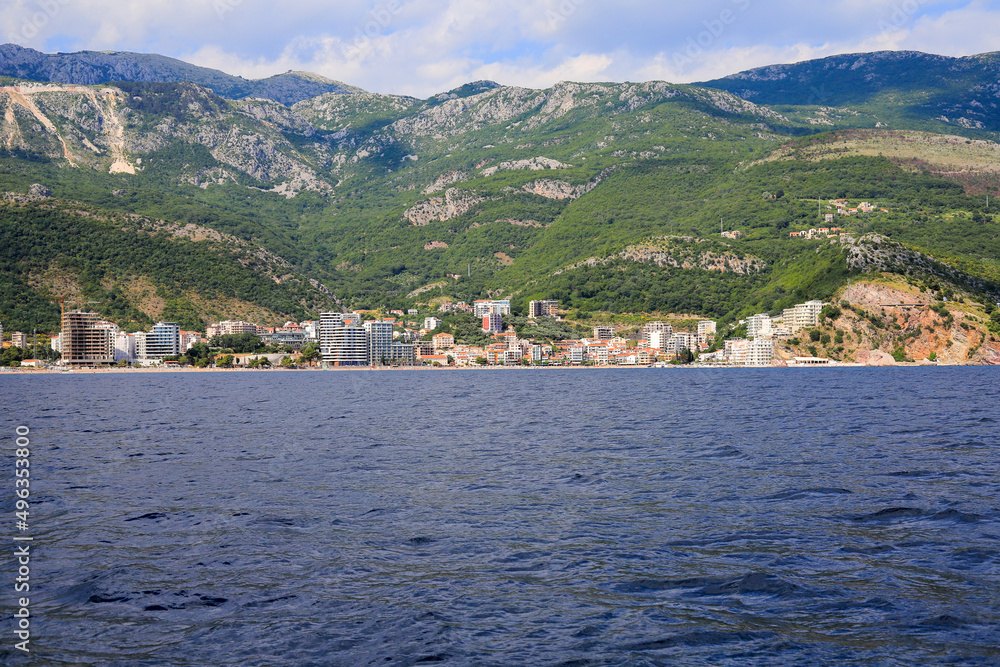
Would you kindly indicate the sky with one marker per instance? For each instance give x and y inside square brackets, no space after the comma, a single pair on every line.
[423,47]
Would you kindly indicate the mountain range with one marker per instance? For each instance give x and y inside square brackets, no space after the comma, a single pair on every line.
[310,194]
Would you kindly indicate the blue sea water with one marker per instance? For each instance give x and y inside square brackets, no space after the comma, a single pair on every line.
[528,517]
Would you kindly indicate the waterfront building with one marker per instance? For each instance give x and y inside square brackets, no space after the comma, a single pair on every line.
[757,352]
[340,344]
[163,340]
[347,347]
[19,339]
[82,343]
[706,328]
[378,341]
[599,353]
[681,341]
[124,347]
[403,353]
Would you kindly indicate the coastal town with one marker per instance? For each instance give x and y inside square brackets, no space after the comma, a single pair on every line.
[410,339]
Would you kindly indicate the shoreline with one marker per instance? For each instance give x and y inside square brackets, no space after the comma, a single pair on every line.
[92,371]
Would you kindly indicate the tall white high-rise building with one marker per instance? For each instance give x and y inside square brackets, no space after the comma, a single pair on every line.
[342,345]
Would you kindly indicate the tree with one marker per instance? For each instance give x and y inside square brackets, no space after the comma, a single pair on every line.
[310,354]
[245,343]
[685,356]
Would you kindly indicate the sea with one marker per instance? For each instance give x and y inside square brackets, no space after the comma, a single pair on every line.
[506,517]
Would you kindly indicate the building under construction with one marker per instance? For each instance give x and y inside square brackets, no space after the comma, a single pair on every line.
[82,343]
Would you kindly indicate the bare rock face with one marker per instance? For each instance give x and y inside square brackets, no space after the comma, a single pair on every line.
[39,191]
[681,252]
[876,295]
[988,354]
[875,358]
[532,164]
[552,189]
[454,203]
[444,180]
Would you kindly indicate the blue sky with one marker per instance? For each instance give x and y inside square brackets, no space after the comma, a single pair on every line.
[421,47]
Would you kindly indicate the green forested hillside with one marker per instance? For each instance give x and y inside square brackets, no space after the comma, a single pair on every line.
[604,196]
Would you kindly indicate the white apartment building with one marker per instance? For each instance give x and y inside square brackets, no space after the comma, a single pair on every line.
[230,327]
[599,354]
[706,328]
[802,316]
[484,307]
[650,327]
[758,352]
[124,347]
[431,323]
[759,326]
[189,339]
[347,347]
[681,341]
